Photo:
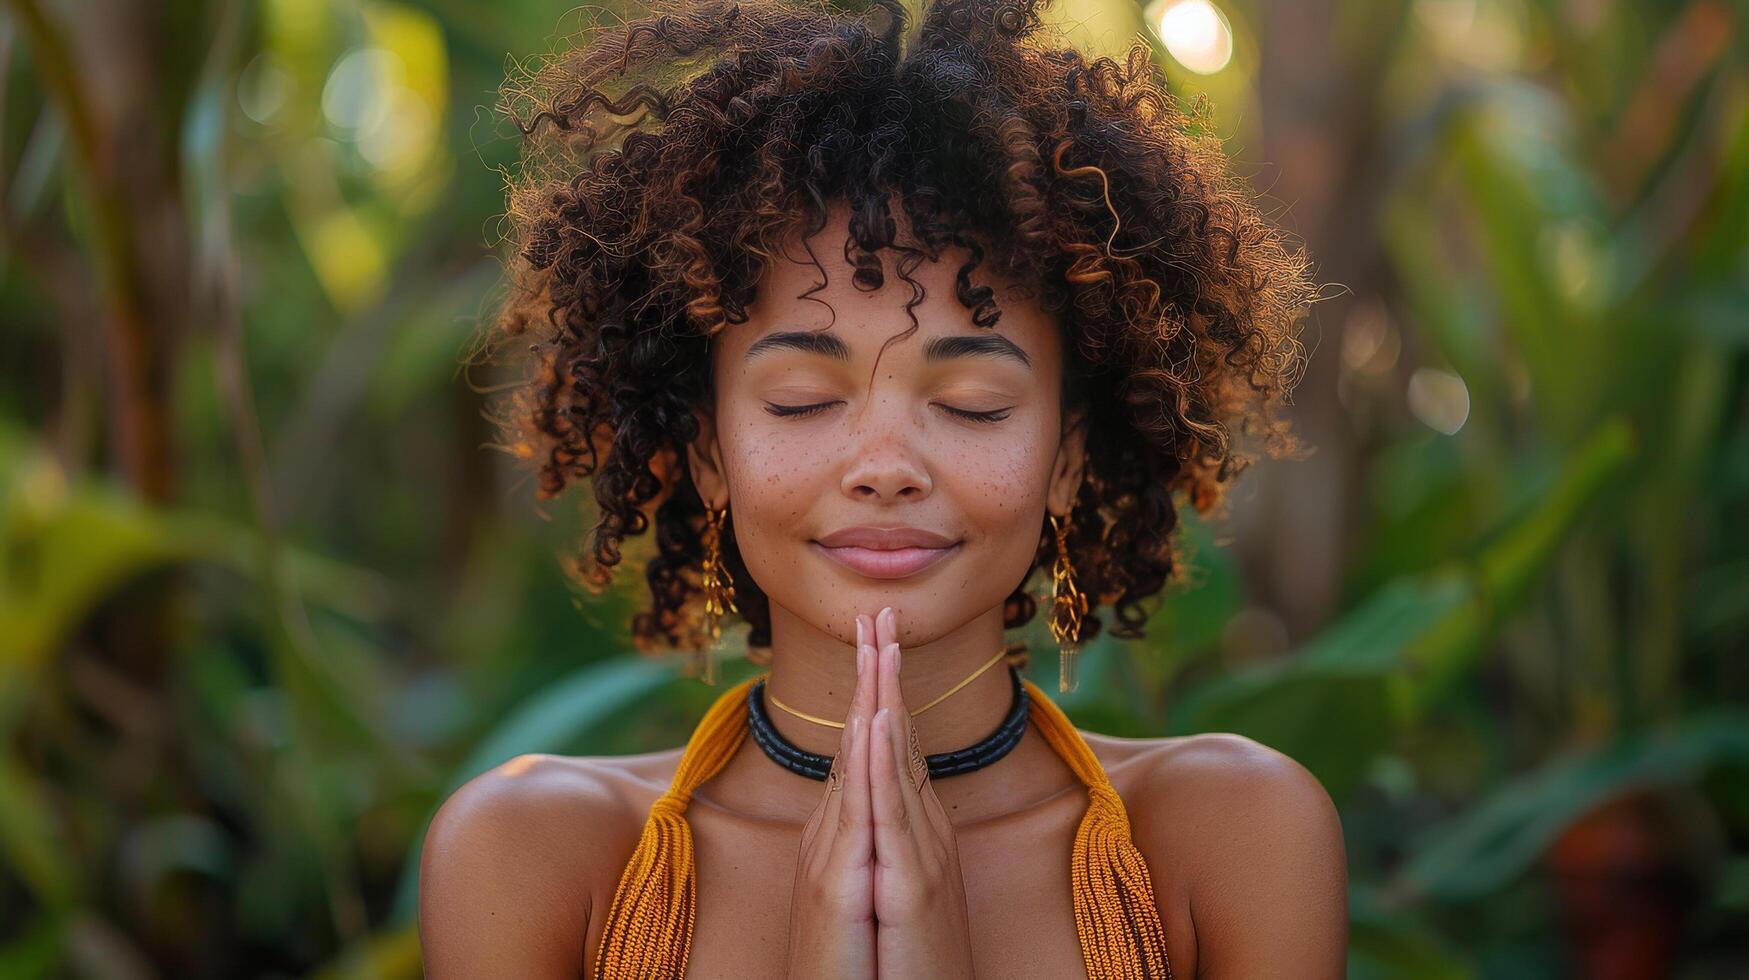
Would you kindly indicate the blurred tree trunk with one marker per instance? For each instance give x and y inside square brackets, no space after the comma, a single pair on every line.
[126,169]
[1320,140]
[96,68]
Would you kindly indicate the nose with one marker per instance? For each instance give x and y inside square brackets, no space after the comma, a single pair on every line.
[885,462]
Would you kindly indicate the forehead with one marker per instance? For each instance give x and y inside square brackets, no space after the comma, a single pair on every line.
[795,294]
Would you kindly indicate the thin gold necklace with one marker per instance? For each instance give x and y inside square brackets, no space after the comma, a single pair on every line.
[838,724]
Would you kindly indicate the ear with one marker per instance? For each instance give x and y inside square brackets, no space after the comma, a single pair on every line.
[704,458]
[1071,464]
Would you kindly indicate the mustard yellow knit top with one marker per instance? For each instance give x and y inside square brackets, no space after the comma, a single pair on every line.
[649,925]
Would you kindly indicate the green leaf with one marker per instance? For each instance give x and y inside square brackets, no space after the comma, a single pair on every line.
[1334,704]
[1496,841]
[1376,950]
[35,950]
[551,721]
[31,842]
[62,549]
[1535,216]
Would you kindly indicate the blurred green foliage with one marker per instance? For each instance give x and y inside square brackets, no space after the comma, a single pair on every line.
[267,596]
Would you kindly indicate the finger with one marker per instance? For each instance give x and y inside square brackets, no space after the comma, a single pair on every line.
[911,764]
[823,822]
[908,749]
[832,801]
[888,686]
[827,813]
[855,837]
[852,814]
[868,683]
[905,748]
[930,828]
[931,806]
[910,767]
[915,762]
[835,777]
[859,696]
[899,833]
[895,843]
[862,702]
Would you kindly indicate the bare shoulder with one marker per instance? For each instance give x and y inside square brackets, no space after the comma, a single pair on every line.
[516,859]
[1256,844]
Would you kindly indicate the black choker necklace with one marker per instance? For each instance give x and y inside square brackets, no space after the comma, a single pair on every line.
[815,766]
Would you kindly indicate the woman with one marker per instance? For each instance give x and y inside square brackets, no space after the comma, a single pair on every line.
[714,203]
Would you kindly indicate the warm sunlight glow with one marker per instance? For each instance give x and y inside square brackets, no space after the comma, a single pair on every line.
[1197,35]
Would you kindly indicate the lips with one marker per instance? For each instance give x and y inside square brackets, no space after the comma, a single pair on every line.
[886,552]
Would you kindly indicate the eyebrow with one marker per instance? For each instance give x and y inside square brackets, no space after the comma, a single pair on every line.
[934,350]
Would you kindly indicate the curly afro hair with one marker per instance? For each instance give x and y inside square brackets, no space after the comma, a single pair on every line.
[668,158]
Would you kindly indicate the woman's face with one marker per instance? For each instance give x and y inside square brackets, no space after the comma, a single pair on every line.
[956,437]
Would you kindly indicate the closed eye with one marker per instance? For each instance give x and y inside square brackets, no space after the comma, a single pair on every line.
[797,411]
[802,411]
[995,415]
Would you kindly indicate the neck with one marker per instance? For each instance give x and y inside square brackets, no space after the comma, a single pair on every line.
[815,672]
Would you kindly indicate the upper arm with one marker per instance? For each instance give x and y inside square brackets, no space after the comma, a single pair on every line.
[1261,843]
[506,873]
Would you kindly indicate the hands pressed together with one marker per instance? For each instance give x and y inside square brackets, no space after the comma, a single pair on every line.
[878,891]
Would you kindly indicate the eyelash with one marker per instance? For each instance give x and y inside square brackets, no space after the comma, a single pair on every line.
[802,411]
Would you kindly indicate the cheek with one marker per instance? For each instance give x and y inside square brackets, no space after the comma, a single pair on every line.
[775,477]
[768,459]
[1001,481]
[1000,487]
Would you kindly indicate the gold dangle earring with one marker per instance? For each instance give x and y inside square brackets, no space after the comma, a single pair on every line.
[719,590]
[1068,605]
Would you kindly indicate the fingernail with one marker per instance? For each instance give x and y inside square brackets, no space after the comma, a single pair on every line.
[859,634]
[859,659]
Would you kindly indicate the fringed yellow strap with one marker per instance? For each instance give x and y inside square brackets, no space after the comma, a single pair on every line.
[1115,914]
[649,925]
